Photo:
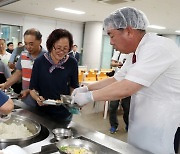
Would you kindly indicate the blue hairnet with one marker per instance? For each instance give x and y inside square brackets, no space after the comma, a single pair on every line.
[124,17]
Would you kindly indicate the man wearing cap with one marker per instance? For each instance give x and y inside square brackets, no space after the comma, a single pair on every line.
[153,81]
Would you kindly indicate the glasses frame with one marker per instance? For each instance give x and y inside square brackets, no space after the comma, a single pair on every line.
[60,49]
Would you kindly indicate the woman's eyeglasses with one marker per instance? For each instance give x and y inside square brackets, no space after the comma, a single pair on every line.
[65,49]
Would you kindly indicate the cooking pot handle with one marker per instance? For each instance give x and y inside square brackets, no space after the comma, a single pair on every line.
[4,117]
[50,148]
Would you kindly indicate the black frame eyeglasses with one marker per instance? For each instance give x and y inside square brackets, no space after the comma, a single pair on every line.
[65,49]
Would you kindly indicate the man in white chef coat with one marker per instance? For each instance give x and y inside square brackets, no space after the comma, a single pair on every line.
[153,81]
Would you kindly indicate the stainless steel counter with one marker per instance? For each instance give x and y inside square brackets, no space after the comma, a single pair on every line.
[98,138]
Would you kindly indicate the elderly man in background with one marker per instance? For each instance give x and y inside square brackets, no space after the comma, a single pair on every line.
[32,41]
[4,55]
[153,81]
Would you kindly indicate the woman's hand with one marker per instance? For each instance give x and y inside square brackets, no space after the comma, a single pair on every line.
[40,100]
[35,95]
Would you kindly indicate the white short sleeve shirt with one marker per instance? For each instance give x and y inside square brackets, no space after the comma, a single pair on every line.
[119,55]
[5,58]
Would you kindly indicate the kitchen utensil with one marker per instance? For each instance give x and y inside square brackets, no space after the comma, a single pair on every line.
[10,92]
[31,125]
[73,108]
[47,149]
[51,102]
[62,133]
[79,144]
[4,117]
[67,99]
[66,102]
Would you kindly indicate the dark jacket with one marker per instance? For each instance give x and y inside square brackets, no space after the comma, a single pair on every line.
[76,55]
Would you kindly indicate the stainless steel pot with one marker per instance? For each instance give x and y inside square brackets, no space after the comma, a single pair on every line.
[62,133]
[31,125]
[78,143]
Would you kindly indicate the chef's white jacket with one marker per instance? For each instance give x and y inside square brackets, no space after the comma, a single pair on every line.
[155,109]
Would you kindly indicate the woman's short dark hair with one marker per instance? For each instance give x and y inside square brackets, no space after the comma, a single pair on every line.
[34,32]
[56,35]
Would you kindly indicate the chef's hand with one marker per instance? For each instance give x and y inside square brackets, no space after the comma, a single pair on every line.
[13,149]
[83,98]
[79,90]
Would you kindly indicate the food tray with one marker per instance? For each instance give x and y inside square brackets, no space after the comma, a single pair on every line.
[52,102]
[65,100]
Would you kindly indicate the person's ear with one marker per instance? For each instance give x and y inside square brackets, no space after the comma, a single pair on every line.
[130,32]
[40,41]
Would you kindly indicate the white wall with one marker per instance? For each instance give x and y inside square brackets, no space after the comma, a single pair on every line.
[76,29]
[92,46]
[11,18]
[173,37]
[44,25]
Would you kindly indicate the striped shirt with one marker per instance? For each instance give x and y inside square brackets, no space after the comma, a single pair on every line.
[25,63]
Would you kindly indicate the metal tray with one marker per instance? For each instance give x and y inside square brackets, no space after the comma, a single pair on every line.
[9,92]
[78,143]
[66,101]
[104,150]
[52,102]
[13,96]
